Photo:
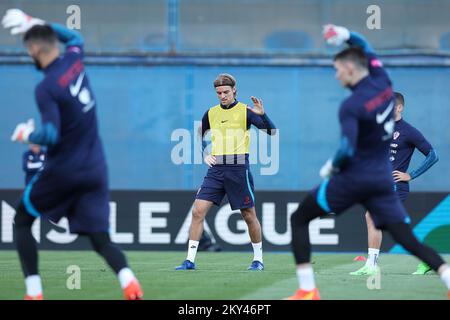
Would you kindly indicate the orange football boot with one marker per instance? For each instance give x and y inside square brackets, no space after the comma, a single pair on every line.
[133,291]
[38,297]
[305,295]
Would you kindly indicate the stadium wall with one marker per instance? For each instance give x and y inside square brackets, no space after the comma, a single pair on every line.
[249,26]
[140,107]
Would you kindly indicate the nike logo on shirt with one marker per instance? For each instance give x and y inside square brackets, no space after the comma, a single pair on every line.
[381,117]
[75,89]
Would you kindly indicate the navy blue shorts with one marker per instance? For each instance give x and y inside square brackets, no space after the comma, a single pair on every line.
[402,195]
[379,198]
[81,196]
[402,191]
[234,181]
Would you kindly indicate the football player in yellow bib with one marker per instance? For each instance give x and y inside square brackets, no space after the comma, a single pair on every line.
[228,173]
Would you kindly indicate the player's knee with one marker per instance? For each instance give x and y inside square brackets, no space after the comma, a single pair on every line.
[249,215]
[198,214]
[22,218]
[369,220]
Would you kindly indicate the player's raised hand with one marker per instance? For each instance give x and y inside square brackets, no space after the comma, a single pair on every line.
[210,160]
[335,35]
[258,106]
[327,169]
[19,21]
[401,176]
[23,131]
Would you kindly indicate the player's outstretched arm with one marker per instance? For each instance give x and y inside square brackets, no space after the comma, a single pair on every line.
[337,35]
[48,134]
[25,133]
[358,40]
[19,22]
[68,37]
[349,127]
[341,158]
[259,118]
[344,153]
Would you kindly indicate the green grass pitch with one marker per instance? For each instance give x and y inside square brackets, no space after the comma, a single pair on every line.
[221,275]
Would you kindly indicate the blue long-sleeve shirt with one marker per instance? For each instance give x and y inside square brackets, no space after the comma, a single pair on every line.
[405,140]
[67,107]
[49,133]
[261,122]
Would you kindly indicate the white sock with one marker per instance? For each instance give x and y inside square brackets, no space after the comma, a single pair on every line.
[34,285]
[445,276]
[305,278]
[372,260]
[125,277]
[192,250]
[257,252]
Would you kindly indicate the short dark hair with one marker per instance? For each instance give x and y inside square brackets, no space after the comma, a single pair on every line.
[225,79]
[41,33]
[399,99]
[353,54]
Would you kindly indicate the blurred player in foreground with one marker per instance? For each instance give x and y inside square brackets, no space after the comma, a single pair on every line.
[74,181]
[228,163]
[360,172]
[406,138]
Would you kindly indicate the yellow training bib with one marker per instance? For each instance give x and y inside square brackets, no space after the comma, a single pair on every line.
[229,134]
